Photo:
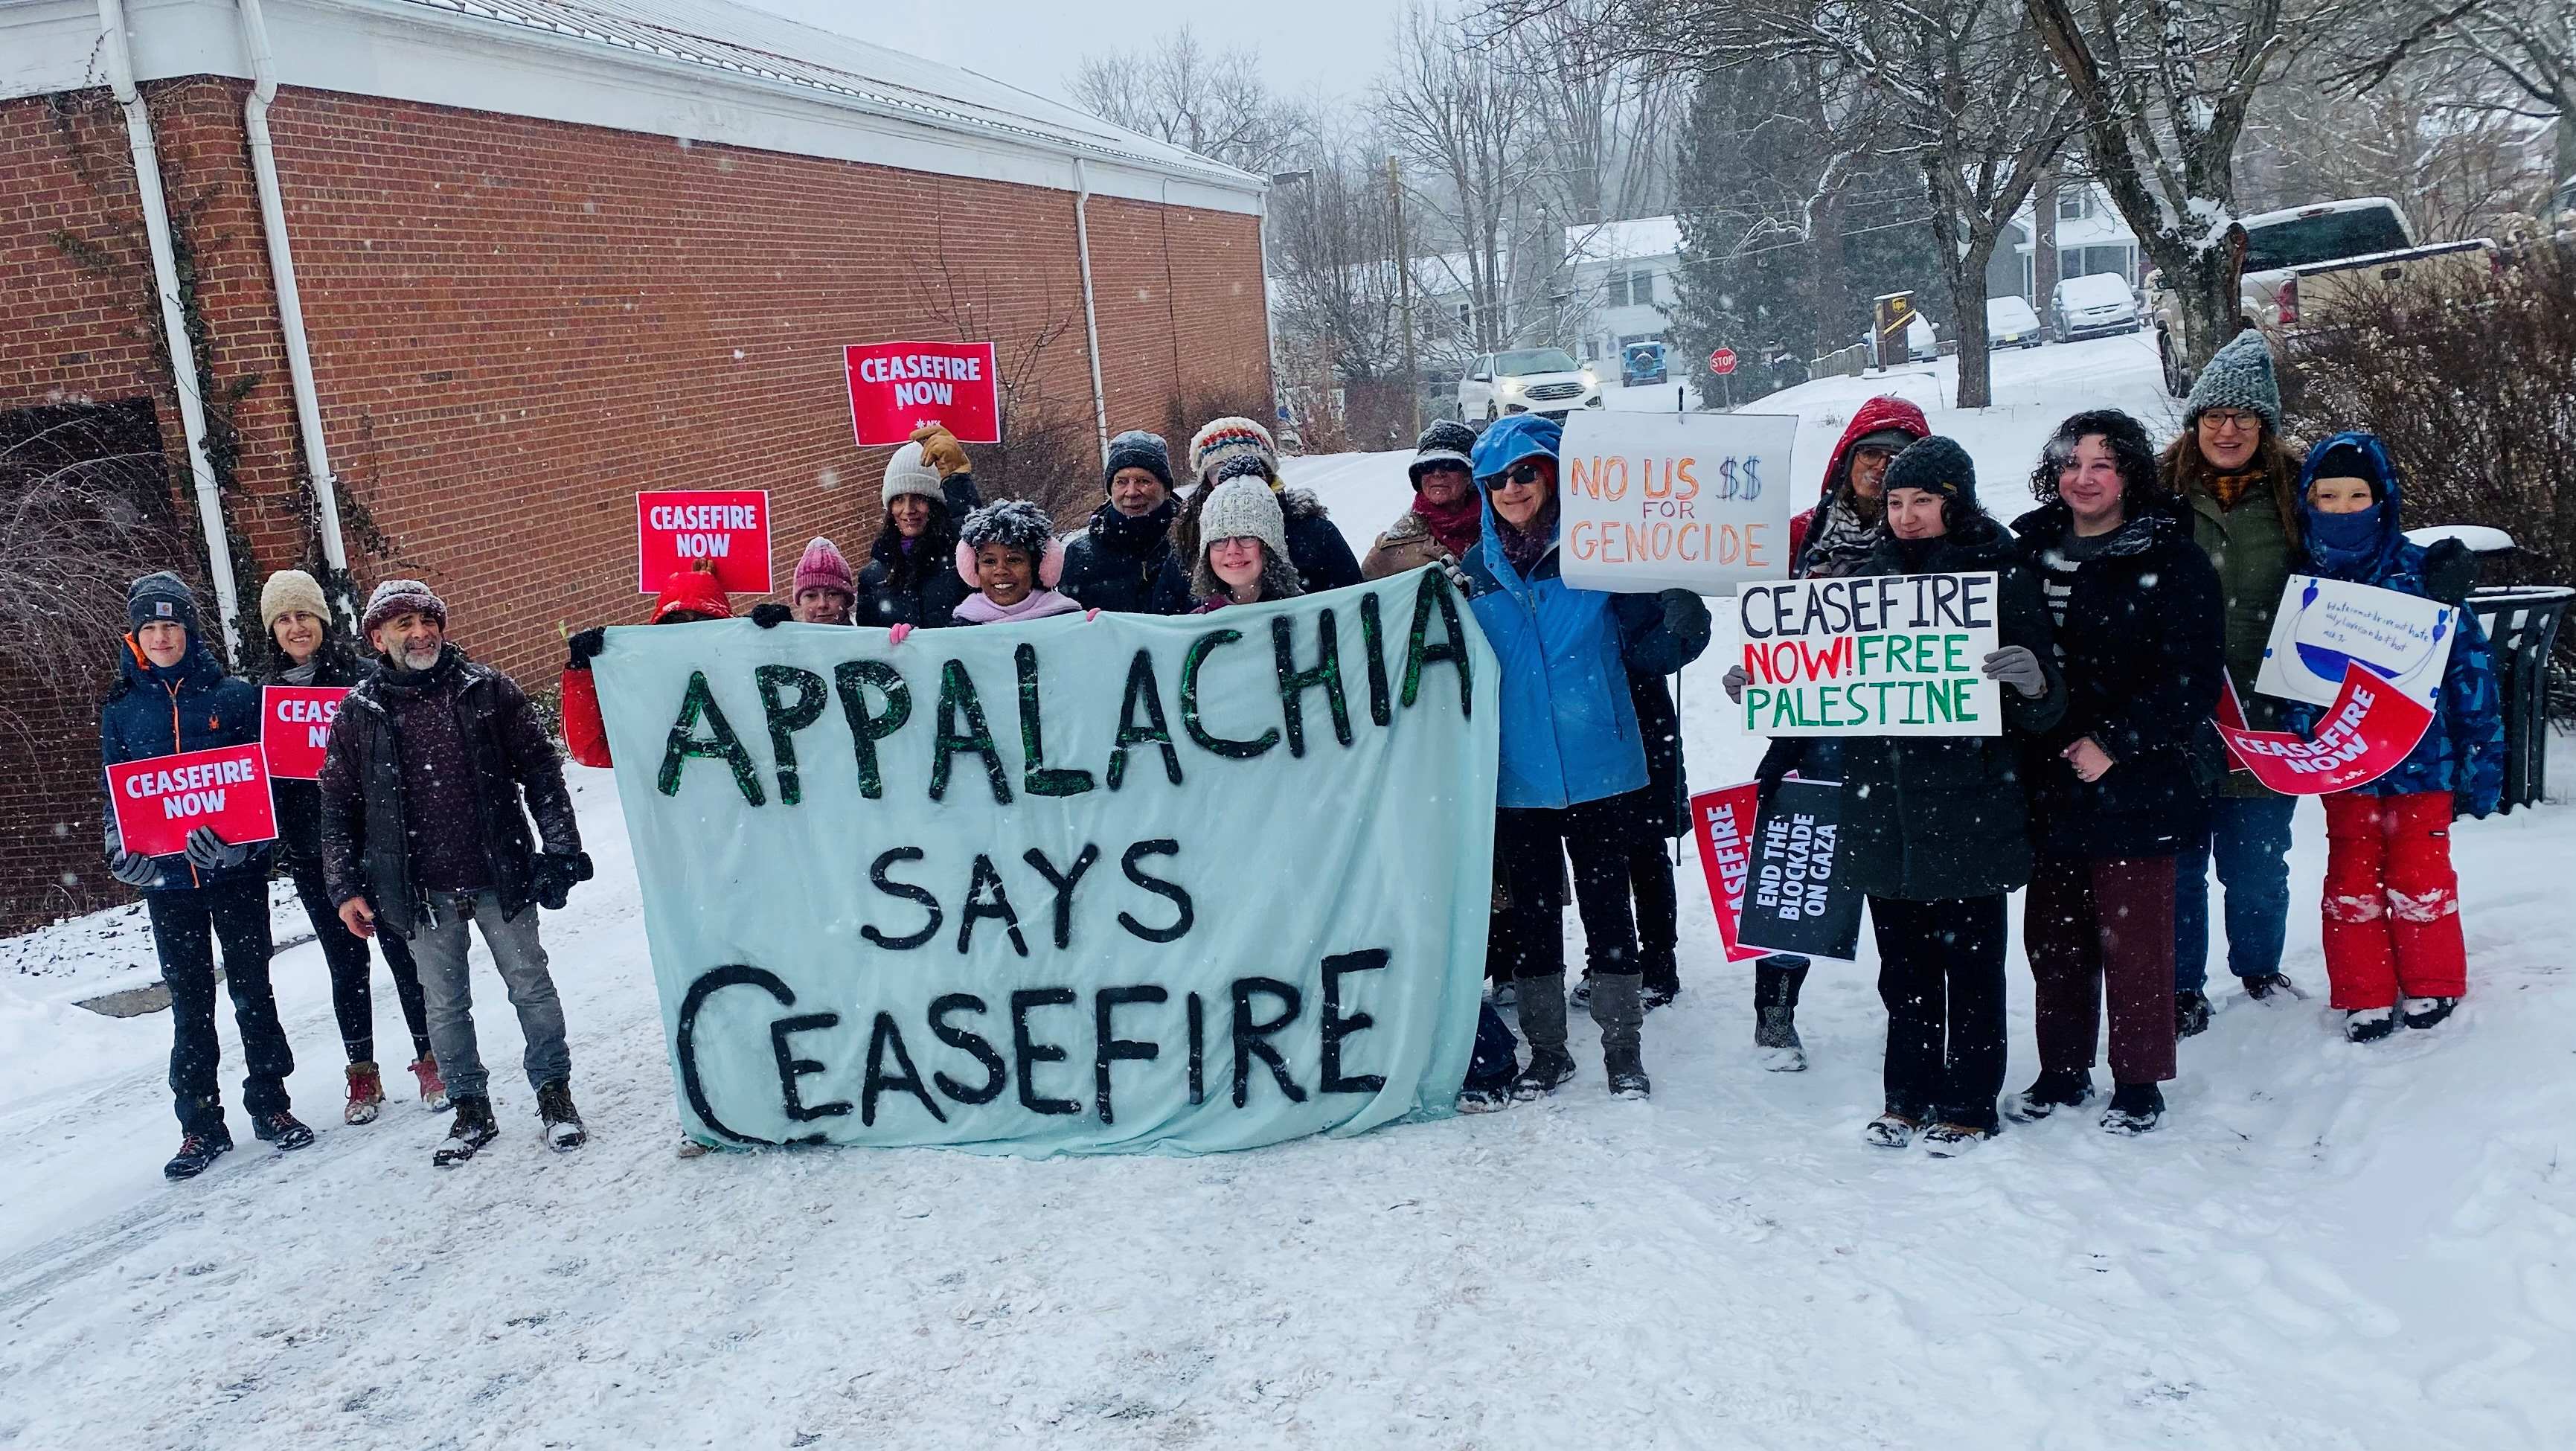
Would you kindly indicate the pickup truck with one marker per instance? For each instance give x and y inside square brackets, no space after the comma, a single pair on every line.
[2301,262]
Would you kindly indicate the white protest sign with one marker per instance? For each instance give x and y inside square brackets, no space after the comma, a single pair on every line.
[2325,624]
[1881,655]
[1656,501]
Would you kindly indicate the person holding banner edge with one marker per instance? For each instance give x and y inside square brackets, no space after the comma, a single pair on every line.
[693,593]
[1226,448]
[172,696]
[304,650]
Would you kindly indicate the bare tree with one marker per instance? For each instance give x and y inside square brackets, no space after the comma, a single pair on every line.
[2530,45]
[1335,307]
[1214,103]
[1452,108]
[84,504]
[1605,119]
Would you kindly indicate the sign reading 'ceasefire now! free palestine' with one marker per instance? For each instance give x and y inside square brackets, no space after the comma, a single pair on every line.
[1880,655]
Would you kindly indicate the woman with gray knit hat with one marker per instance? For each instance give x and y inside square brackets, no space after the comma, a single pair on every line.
[1122,555]
[1446,519]
[1231,448]
[1245,561]
[911,576]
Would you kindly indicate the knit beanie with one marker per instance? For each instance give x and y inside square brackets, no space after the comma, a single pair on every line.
[1016,524]
[1936,465]
[1244,508]
[161,595]
[397,595]
[822,567]
[1445,442]
[1894,440]
[290,590]
[2240,377]
[2345,461]
[909,472]
[1137,449]
[1232,438]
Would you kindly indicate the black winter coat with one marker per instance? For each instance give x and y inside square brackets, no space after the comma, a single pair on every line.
[1661,807]
[2145,643]
[1117,563]
[299,803]
[365,849]
[922,588]
[193,706]
[1925,818]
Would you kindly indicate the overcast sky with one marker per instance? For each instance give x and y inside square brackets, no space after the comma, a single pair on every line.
[1328,48]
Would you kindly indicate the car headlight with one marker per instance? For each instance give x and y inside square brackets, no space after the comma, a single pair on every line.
[1591,379]
[1509,387]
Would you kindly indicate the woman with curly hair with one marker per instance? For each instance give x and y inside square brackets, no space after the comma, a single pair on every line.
[929,490]
[1008,554]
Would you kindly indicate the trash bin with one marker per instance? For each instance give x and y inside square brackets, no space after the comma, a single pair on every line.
[2522,627]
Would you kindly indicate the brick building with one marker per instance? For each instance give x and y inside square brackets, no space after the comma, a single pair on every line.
[548,254]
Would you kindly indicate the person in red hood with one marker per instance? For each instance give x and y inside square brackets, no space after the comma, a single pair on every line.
[692,594]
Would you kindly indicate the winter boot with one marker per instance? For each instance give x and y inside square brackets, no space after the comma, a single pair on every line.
[2369,1025]
[1484,1100]
[562,1120]
[1947,1140]
[196,1151]
[282,1129]
[2054,1089]
[1890,1130]
[2191,1013]
[1663,974]
[2425,1012]
[472,1129]
[2135,1108]
[366,1094]
[2274,988]
[1618,1005]
[1775,1015]
[433,1089]
[1543,1023]
[1581,997]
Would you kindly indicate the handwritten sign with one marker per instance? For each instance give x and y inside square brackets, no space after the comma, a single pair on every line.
[1723,822]
[677,529]
[2364,735]
[295,728]
[160,800]
[897,387]
[2325,625]
[1880,655]
[1656,501]
[1795,900]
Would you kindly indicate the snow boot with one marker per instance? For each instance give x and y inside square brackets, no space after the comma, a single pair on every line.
[1775,1016]
[1947,1140]
[433,1089]
[366,1094]
[1484,1100]
[2274,988]
[2191,1013]
[282,1129]
[1661,969]
[1890,1130]
[2369,1025]
[2052,1090]
[1543,1023]
[466,1137]
[196,1151]
[1581,997]
[1547,1071]
[1619,1007]
[562,1120]
[692,1149]
[2135,1108]
[2426,1012]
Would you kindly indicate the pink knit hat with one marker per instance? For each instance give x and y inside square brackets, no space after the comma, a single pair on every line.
[822,567]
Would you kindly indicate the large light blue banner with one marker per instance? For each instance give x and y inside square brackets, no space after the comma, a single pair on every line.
[1075,886]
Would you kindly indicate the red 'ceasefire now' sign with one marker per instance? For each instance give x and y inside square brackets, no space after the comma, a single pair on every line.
[677,529]
[295,727]
[160,800]
[897,387]
[1723,822]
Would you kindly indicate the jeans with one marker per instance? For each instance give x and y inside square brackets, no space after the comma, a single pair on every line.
[186,924]
[344,953]
[2249,839]
[1941,975]
[439,948]
[2097,928]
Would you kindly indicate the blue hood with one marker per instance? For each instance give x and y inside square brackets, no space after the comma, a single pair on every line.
[1507,442]
[2378,556]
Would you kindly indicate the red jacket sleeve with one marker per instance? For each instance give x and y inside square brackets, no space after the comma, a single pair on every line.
[1798,538]
[585,735]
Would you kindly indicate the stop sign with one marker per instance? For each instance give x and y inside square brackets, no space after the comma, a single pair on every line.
[1722,361]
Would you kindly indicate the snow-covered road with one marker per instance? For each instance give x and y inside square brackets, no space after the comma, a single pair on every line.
[2328,1245]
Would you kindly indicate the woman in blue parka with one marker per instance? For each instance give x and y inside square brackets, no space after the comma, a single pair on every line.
[1571,753]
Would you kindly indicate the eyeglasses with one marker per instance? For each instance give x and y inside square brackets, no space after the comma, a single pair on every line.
[1523,474]
[2228,420]
[1872,453]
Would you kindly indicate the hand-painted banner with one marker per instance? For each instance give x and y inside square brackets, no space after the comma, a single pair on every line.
[1723,821]
[677,529]
[2325,625]
[1796,901]
[1116,884]
[160,800]
[1654,501]
[295,728]
[1880,655]
[897,387]
[2363,736]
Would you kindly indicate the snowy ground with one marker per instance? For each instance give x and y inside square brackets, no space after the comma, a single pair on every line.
[2329,1246]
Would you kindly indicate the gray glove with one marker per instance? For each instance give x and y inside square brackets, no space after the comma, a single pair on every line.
[132,869]
[1735,680]
[210,853]
[2017,667]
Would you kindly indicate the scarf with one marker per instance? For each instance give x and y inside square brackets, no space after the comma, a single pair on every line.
[2345,545]
[2230,489]
[1135,535]
[303,674]
[1526,550]
[979,610]
[1841,542]
[1455,527]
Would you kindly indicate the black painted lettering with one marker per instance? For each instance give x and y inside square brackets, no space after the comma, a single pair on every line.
[1112,1048]
[1026,1052]
[1252,1038]
[1338,1028]
[1373,641]
[1064,882]
[791,1067]
[883,1039]
[1154,730]
[1192,660]
[1434,594]
[985,897]
[697,703]
[973,1044]
[1036,777]
[957,697]
[851,679]
[710,982]
[921,896]
[1177,895]
[1325,674]
[787,718]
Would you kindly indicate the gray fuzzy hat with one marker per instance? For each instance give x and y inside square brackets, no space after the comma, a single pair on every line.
[1445,442]
[2239,376]
[1244,508]
[909,472]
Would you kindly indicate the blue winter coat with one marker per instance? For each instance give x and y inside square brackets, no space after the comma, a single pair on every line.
[2462,752]
[1569,726]
[192,706]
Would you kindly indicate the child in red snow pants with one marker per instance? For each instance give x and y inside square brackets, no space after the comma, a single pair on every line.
[2392,902]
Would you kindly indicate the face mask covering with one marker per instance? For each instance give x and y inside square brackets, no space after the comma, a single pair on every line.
[2344,541]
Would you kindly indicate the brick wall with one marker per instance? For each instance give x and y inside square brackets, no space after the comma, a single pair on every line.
[516,324]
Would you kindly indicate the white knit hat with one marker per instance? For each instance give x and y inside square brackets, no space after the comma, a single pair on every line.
[1244,508]
[291,589]
[908,472]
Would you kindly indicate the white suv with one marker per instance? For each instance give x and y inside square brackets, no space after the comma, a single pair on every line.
[1545,381]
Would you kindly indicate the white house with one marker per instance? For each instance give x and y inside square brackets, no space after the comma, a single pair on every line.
[1623,279]
[2091,238]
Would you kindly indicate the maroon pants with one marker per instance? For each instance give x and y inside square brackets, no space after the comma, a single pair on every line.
[2108,920]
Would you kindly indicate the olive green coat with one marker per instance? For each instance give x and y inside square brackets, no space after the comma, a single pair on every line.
[2253,555]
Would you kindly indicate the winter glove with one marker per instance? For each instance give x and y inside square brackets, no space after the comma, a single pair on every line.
[940,449]
[1685,614]
[771,615]
[2017,667]
[556,871]
[1735,680]
[896,633]
[131,868]
[211,853]
[584,646]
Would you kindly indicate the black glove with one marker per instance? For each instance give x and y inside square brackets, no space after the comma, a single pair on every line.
[555,873]
[211,853]
[770,614]
[1685,614]
[584,646]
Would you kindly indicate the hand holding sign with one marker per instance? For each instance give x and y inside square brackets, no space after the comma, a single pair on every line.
[161,801]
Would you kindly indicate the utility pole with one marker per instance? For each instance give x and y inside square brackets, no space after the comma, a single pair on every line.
[1404,296]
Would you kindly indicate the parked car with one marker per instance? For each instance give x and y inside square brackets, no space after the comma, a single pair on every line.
[2010,323]
[2092,306]
[1544,381]
[1641,365]
[1922,341]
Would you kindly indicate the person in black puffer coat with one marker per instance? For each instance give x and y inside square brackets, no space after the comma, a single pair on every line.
[911,575]
[2121,785]
[1119,558]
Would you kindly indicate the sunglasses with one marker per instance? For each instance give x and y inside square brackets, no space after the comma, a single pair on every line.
[1523,474]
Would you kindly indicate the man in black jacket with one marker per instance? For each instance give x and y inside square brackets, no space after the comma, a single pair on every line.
[1120,557]
[423,831]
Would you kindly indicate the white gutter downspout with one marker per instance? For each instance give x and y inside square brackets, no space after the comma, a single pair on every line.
[1090,320]
[290,302]
[174,322]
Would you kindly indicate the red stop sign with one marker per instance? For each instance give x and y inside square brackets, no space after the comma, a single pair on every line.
[1722,361]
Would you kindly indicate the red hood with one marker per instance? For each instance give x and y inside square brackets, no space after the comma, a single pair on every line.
[696,589]
[1884,411]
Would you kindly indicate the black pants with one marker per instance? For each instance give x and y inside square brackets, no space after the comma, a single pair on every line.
[185,926]
[1650,882]
[1530,844]
[1941,974]
[353,998]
